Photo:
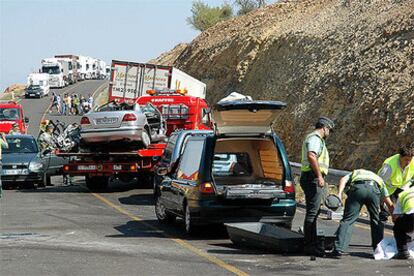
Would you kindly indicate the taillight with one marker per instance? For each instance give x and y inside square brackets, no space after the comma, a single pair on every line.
[289,187]
[206,188]
[85,121]
[129,117]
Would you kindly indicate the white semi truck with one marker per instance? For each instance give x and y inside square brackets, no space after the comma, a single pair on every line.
[37,85]
[58,72]
[71,61]
[101,69]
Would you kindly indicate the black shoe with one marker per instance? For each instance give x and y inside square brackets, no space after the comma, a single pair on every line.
[337,254]
[403,255]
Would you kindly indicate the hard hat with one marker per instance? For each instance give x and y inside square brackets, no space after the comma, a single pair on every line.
[333,202]
[325,121]
[49,126]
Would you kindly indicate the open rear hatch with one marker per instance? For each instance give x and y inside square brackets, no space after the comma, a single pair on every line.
[245,116]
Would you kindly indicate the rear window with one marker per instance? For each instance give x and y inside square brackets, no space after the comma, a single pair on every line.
[174,111]
[114,106]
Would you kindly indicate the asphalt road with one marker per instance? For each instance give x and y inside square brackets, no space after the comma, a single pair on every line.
[65,230]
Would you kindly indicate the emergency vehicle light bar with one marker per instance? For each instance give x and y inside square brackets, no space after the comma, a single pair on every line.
[153,92]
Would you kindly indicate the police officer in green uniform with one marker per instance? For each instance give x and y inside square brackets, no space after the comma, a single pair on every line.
[403,218]
[315,164]
[362,187]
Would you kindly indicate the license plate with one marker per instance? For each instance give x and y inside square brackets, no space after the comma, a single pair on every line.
[12,172]
[87,167]
[117,167]
[31,95]
[106,121]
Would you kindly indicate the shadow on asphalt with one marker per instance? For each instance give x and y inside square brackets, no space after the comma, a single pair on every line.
[58,189]
[138,199]
[155,229]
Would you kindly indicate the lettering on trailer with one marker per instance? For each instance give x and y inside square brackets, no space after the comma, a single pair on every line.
[132,81]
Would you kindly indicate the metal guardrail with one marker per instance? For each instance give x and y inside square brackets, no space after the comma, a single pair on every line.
[332,178]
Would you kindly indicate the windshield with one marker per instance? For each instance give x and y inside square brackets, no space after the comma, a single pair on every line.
[174,111]
[9,114]
[33,87]
[52,70]
[21,145]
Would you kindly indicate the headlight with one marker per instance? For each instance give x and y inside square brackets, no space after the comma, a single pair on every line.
[35,166]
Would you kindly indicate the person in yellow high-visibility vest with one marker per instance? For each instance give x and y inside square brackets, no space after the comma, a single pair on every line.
[315,164]
[397,172]
[403,218]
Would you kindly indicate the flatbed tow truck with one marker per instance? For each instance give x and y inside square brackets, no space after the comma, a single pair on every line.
[99,167]
[165,88]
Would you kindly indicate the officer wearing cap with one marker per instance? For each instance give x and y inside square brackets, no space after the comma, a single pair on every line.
[362,187]
[315,164]
[15,129]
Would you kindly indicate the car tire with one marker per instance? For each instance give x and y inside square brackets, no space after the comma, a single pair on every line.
[145,138]
[97,183]
[160,211]
[188,221]
[28,186]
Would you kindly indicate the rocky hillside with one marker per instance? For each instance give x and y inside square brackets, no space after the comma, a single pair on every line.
[350,60]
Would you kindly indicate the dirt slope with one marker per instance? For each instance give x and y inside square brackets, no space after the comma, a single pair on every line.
[349,60]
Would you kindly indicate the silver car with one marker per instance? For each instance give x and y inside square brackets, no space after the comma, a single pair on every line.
[123,123]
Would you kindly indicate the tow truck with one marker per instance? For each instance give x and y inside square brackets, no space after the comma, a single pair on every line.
[182,110]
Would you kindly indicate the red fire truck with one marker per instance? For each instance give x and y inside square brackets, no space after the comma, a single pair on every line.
[11,113]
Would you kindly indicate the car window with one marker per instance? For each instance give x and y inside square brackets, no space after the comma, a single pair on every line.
[21,145]
[11,114]
[232,164]
[190,160]
[169,148]
[114,106]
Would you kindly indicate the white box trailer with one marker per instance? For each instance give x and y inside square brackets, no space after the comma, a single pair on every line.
[130,80]
[56,70]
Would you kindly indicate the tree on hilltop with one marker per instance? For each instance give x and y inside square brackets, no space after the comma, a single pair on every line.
[203,16]
[245,6]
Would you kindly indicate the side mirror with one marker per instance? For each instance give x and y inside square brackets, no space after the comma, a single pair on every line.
[162,171]
[26,120]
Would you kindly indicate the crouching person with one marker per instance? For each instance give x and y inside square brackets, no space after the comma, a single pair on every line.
[362,187]
[403,218]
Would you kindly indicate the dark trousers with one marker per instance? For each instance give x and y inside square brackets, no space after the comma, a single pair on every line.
[403,225]
[313,197]
[359,195]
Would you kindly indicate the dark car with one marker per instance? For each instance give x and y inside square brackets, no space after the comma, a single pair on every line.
[24,165]
[239,172]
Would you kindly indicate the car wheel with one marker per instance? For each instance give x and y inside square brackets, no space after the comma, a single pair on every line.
[188,221]
[161,212]
[28,185]
[146,139]
[97,183]
[43,183]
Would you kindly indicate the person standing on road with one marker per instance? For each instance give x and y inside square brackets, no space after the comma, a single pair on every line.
[3,144]
[315,164]
[403,218]
[90,101]
[362,187]
[397,172]
[76,104]
[64,105]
